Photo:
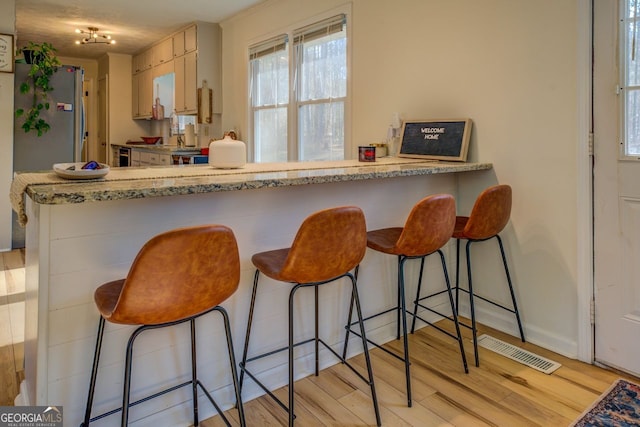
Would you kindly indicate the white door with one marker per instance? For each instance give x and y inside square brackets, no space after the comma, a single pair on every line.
[616,195]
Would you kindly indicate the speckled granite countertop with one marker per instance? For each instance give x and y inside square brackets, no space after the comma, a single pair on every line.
[135,183]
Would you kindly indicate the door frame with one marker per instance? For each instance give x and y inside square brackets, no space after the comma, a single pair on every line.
[584,190]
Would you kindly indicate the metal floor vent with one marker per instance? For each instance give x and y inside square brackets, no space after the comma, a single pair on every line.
[519,355]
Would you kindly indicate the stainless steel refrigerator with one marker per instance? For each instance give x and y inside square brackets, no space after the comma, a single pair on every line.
[62,143]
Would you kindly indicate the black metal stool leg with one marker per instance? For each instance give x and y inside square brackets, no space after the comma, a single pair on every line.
[127,376]
[194,373]
[248,333]
[94,373]
[415,304]
[403,309]
[291,345]
[399,310]
[356,298]
[513,295]
[453,310]
[457,275]
[472,307]
[348,327]
[232,362]
[317,342]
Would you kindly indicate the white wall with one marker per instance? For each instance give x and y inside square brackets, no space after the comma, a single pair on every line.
[7,26]
[121,126]
[511,67]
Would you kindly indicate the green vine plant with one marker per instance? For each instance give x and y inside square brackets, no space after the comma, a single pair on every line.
[38,84]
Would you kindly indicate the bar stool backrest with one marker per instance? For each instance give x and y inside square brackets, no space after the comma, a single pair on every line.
[429,226]
[179,274]
[329,243]
[490,213]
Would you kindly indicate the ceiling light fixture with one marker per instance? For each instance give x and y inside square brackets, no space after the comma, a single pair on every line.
[92,36]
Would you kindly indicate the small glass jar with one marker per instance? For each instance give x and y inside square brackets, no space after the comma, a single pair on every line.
[367,153]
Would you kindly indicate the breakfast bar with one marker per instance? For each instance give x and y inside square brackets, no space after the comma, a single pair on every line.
[81,234]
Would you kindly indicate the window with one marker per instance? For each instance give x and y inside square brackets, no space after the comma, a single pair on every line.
[630,78]
[312,73]
[269,91]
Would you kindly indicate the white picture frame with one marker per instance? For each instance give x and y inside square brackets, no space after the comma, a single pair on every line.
[7,53]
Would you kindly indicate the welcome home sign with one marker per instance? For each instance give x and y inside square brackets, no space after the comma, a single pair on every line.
[445,139]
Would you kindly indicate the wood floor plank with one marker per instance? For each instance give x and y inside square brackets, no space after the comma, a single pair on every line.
[13,267]
[324,407]
[452,411]
[255,415]
[392,401]
[8,378]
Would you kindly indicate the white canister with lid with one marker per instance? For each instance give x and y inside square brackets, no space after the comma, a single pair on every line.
[227,153]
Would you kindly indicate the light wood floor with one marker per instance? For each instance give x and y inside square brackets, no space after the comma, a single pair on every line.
[11,324]
[500,392]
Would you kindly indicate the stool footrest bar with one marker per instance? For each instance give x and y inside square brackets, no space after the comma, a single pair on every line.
[486,300]
[389,352]
[272,352]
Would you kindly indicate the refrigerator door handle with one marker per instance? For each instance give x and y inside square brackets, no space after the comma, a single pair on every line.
[80,117]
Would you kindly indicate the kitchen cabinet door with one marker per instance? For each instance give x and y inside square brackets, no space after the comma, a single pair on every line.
[135,106]
[186,93]
[190,39]
[163,52]
[178,94]
[142,61]
[191,82]
[164,160]
[115,157]
[178,44]
[145,94]
[185,41]
[136,62]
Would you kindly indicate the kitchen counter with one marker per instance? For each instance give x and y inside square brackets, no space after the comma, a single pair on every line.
[133,183]
[80,235]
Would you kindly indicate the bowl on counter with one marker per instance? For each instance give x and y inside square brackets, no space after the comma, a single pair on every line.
[75,171]
[151,139]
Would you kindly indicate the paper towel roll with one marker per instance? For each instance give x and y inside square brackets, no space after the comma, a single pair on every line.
[189,135]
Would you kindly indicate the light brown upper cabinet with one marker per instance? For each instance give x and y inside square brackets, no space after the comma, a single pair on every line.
[142,61]
[186,86]
[163,52]
[185,41]
[142,95]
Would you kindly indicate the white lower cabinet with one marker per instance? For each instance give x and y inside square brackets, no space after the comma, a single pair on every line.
[164,159]
[149,158]
[134,158]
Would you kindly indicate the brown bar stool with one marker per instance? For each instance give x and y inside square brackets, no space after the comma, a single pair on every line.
[427,229]
[328,245]
[163,290]
[489,216]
